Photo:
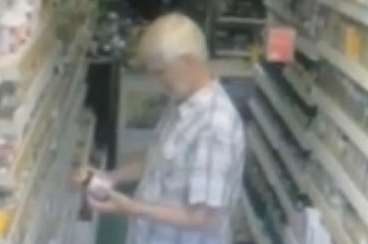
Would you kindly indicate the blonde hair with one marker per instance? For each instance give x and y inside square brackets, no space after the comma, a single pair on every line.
[170,37]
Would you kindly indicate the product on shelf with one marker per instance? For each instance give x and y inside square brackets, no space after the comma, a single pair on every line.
[344,35]
[353,43]
[5,219]
[280,44]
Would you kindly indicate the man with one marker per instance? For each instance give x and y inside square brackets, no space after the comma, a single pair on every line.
[191,174]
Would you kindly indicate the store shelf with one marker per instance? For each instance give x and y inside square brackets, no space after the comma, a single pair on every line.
[266,161]
[307,47]
[304,181]
[332,221]
[240,21]
[27,192]
[347,125]
[224,67]
[42,163]
[255,225]
[46,76]
[354,70]
[280,11]
[57,173]
[57,170]
[283,109]
[350,9]
[233,53]
[33,96]
[44,110]
[273,136]
[54,90]
[342,180]
[73,228]
[297,82]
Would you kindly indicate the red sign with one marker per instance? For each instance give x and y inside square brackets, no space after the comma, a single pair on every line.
[280,44]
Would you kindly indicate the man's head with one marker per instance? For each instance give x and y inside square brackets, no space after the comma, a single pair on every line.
[174,48]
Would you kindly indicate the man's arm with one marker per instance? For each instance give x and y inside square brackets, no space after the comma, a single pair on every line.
[194,218]
[131,171]
[199,217]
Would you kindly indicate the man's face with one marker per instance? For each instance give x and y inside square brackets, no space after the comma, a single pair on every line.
[174,78]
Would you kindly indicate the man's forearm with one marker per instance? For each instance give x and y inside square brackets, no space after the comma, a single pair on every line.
[130,171]
[188,218]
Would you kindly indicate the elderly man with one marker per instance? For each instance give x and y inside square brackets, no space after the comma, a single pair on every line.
[190,176]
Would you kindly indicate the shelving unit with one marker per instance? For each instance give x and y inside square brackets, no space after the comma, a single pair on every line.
[63,160]
[43,203]
[233,53]
[302,85]
[342,179]
[327,160]
[356,11]
[353,131]
[303,180]
[357,199]
[233,20]
[265,158]
[283,109]
[356,71]
[307,47]
[254,223]
[317,149]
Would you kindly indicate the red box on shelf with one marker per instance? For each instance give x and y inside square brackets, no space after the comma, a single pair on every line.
[280,44]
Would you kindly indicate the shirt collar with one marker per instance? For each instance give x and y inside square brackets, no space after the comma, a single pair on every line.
[199,99]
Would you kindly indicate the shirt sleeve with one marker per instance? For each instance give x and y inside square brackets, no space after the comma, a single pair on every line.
[210,164]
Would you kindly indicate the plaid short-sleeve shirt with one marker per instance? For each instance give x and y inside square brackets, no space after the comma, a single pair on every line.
[197,158]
